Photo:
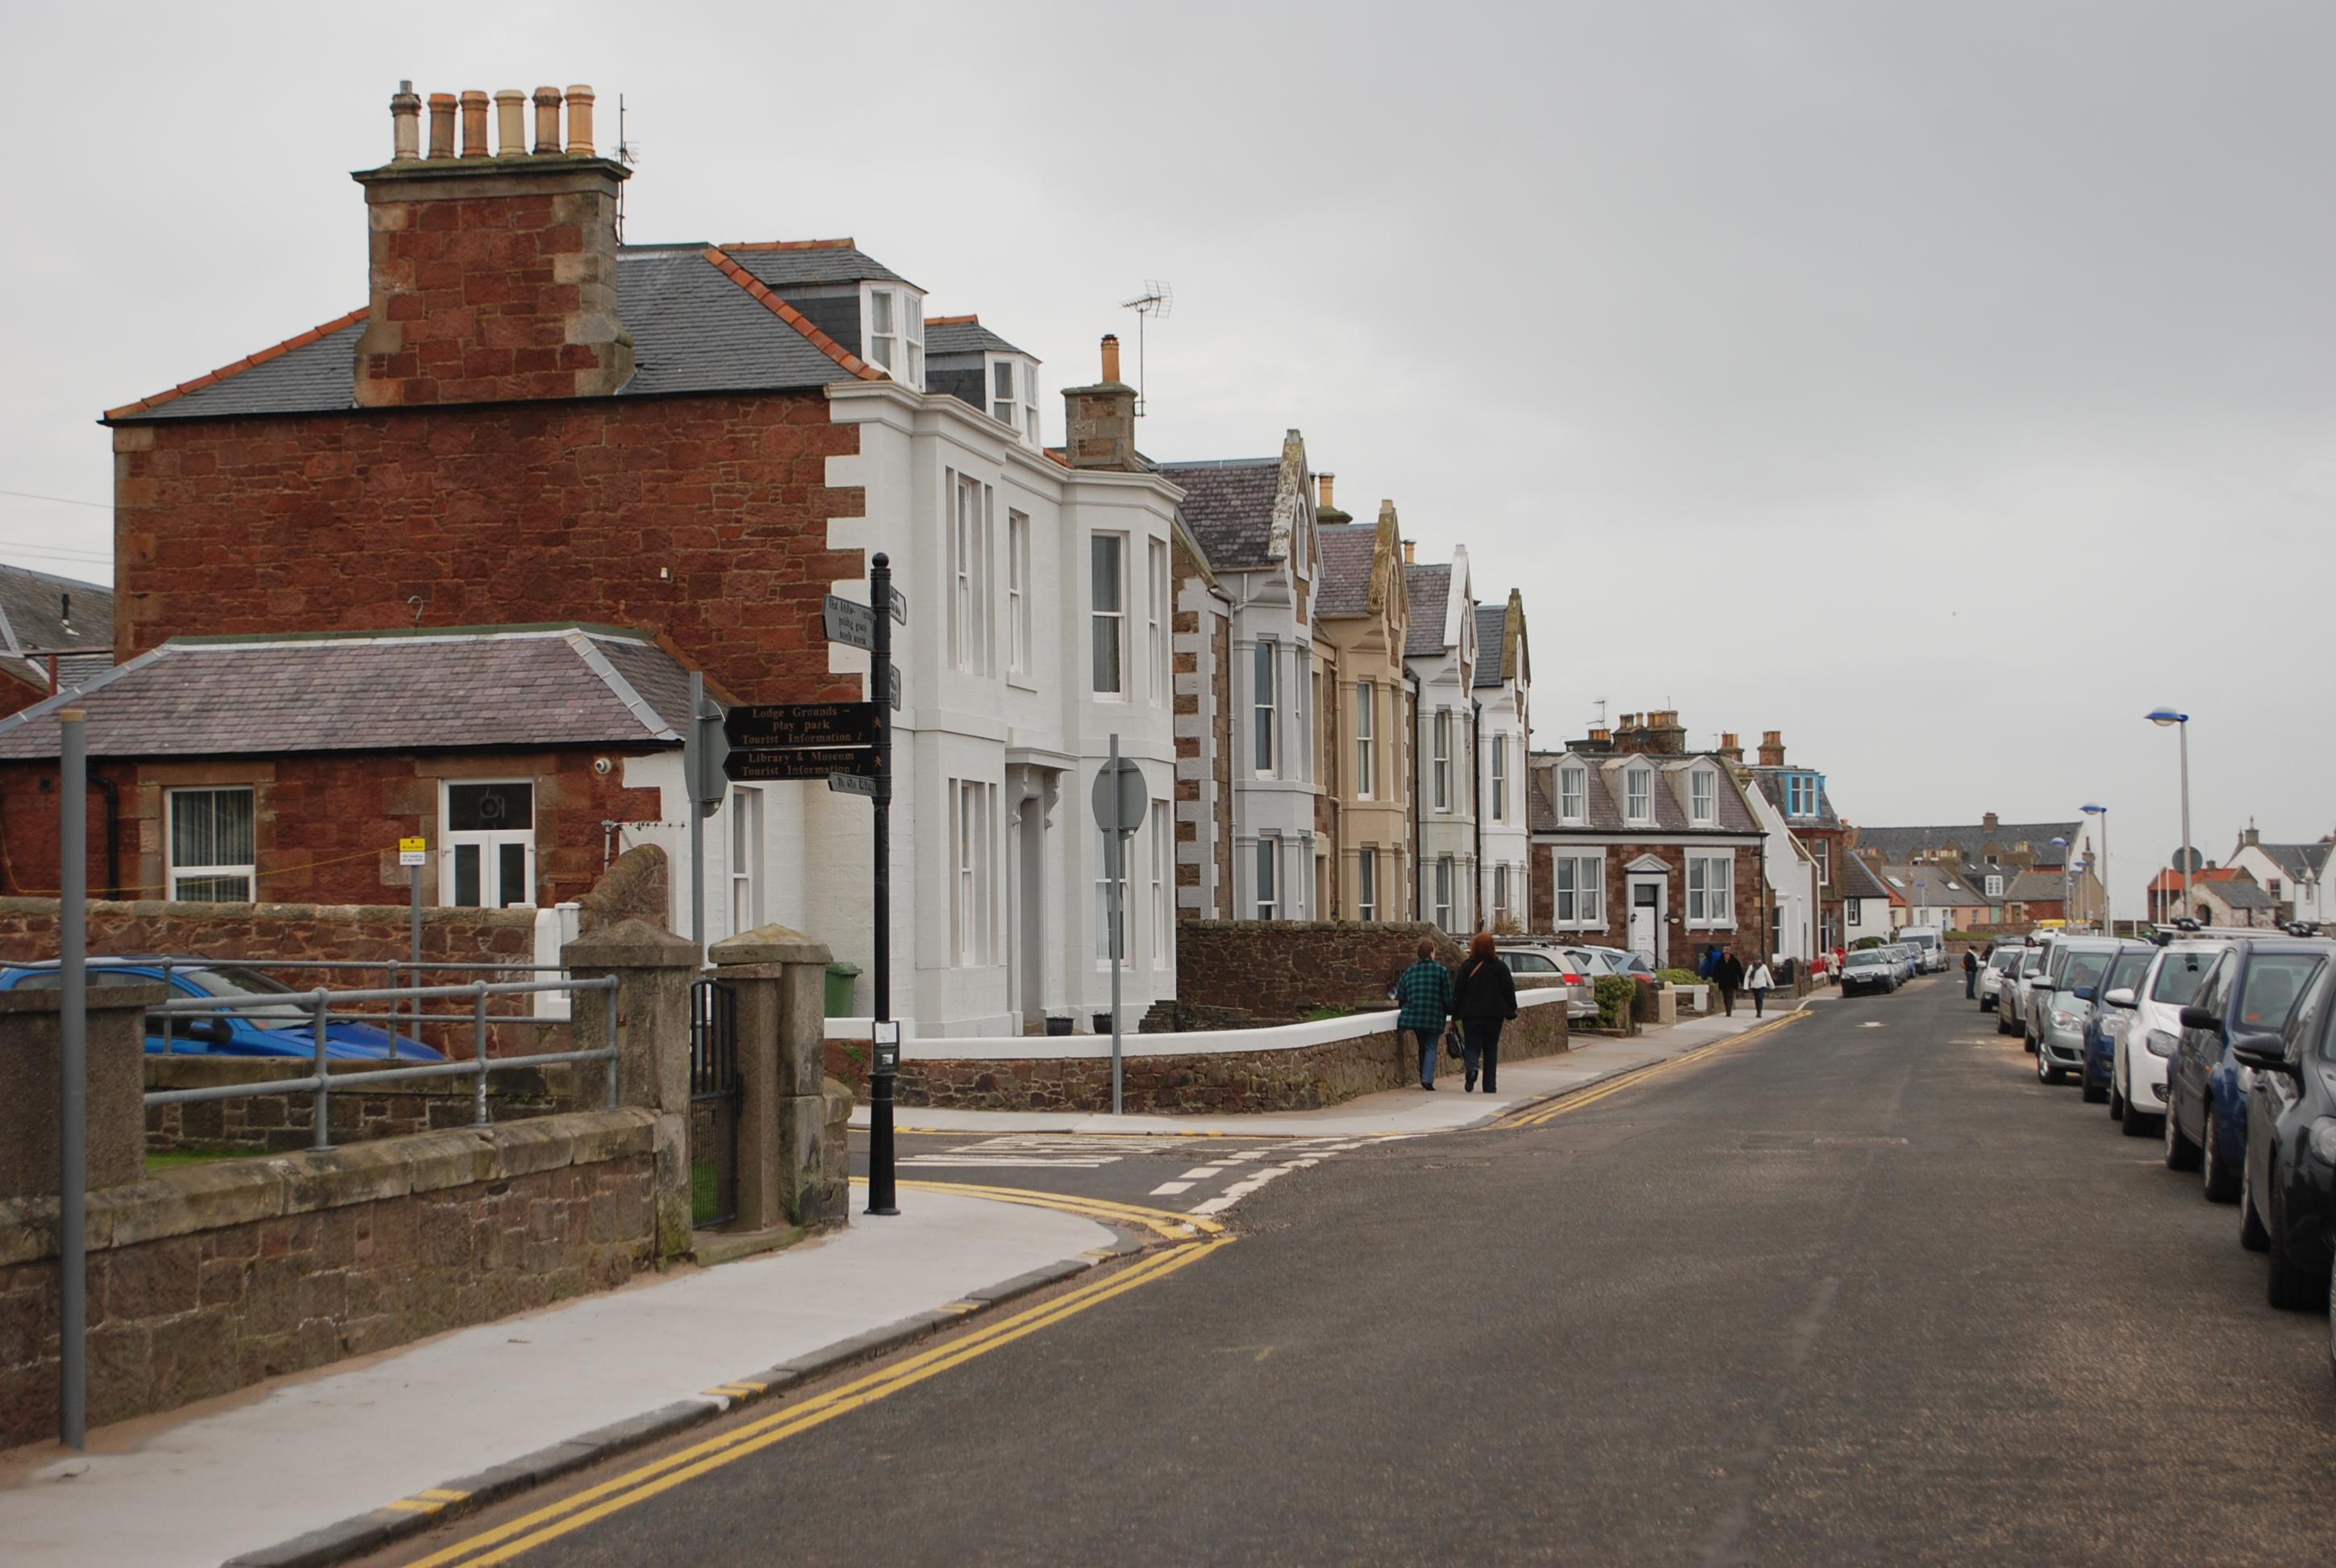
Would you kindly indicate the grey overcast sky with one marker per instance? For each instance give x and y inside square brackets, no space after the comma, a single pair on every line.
[1943,384]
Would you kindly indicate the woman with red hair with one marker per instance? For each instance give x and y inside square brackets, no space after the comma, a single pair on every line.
[1483,998]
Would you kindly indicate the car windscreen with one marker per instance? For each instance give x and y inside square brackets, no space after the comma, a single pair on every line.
[2084,970]
[2031,962]
[1871,959]
[235,980]
[2180,976]
[2126,972]
[2005,961]
[2274,981]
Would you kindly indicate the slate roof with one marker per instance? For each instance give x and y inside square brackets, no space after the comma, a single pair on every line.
[1229,506]
[2036,886]
[702,319]
[1342,582]
[1857,879]
[33,606]
[1428,590]
[1771,782]
[1900,845]
[2298,860]
[1949,886]
[430,690]
[1492,635]
[2239,895]
[962,334]
[1604,788]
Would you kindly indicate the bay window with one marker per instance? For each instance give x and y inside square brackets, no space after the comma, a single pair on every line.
[1109,613]
[1262,680]
[1441,753]
[1366,733]
[1500,778]
[1366,885]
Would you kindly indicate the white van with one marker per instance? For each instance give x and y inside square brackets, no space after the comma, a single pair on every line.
[1930,945]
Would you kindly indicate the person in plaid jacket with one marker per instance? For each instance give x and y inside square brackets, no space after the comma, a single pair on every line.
[1424,993]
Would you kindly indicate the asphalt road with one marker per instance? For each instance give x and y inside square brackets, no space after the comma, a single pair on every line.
[1186,1173]
[1861,1290]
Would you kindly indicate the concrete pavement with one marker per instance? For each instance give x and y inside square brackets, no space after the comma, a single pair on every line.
[203,1485]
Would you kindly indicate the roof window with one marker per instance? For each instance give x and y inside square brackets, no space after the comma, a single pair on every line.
[895,332]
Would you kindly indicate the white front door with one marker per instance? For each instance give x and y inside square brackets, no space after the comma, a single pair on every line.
[1645,914]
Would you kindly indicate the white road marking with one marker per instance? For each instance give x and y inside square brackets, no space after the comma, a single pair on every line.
[1170,1189]
[997,1162]
[1204,1172]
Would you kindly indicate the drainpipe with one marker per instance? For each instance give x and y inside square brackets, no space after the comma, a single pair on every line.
[1418,881]
[1476,789]
[113,834]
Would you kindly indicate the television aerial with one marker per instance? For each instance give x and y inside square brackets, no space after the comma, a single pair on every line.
[1156,300]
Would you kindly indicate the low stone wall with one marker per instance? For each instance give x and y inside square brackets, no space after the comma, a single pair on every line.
[1362,1056]
[1282,969]
[210,1277]
[268,1123]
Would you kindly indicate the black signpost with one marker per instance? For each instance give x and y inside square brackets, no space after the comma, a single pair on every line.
[886,1045]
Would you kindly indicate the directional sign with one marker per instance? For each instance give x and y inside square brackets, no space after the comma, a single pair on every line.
[894,678]
[768,766]
[900,607]
[851,623]
[777,726]
[852,783]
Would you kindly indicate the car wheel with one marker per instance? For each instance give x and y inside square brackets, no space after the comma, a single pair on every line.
[2116,1102]
[2136,1124]
[2251,1234]
[2289,1288]
[2046,1073]
[2221,1183]
[2181,1153]
[2095,1093]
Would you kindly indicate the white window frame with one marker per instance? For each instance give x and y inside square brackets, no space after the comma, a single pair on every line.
[1582,905]
[1500,778]
[973,880]
[1823,853]
[486,840]
[1266,879]
[1638,795]
[1156,626]
[217,870]
[743,825]
[901,351]
[1108,622]
[1007,410]
[1440,749]
[1017,593]
[1301,707]
[1367,698]
[1367,884]
[1162,885]
[1572,794]
[971,504]
[1500,892]
[1265,713]
[1995,887]
[1711,892]
[1445,868]
[1029,379]
[1103,933]
[1703,797]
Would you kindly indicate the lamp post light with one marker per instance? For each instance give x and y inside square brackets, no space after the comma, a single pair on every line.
[2109,919]
[2062,845]
[2163,717]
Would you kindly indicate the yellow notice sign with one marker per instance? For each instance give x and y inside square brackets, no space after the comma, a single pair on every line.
[412,851]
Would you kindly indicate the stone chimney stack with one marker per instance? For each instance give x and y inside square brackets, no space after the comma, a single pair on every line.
[1987,824]
[1728,747]
[2251,836]
[1326,483]
[1410,553]
[493,275]
[1099,421]
[1772,749]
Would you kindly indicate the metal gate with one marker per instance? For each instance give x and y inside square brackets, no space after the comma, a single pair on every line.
[715,1093]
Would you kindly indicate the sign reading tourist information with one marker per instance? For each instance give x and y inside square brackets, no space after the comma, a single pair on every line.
[824,761]
[792,727]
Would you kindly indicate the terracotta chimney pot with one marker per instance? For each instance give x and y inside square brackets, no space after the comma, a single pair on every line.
[404,125]
[510,124]
[442,125]
[1323,480]
[474,124]
[547,121]
[1111,357]
[1410,553]
[579,121]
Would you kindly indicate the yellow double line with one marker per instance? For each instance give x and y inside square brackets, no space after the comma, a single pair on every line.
[1199,1237]
[1565,1104]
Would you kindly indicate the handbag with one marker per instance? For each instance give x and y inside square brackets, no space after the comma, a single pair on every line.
[1452,1042]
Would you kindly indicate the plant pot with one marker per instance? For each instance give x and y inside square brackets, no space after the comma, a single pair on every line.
[1058,1026]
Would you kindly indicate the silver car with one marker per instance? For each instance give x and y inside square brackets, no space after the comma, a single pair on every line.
[2061,1016]
[1529,960]
[1995,974]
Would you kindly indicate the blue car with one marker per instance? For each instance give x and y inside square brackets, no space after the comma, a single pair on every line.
[2108,1021]
[281,1028]
[2251,992]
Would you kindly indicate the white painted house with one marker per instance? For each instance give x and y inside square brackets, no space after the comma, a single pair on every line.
[1253,520]
[1501,709]
[1038,627]
[1790,868]
[2291,874]
[1440,657]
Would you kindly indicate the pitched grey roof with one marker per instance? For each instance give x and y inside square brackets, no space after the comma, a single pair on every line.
[693,329]
[1492,632]
[2298,861]
[1948,886]
[2036,886]
[1858,881]
[1229,506]
[373,691]
[1342,585]
[1901,845]
[1428,588]
[34,605]
[963,337]
[1605,788]
[2239,895]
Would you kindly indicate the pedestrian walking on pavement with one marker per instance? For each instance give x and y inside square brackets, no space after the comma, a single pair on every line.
[1483,998]
[1760,982]
[1728,974]
[1424,993]
[1971,975]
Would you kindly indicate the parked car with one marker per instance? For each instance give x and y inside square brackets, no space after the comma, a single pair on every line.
[281,1028]
[2287,1203]
[1869,969]
[2137,1086]
[2012,1003]
[1993,974]
[1930,945]
[1527,960]
[2108,1019]
[2065,1012]
[2035,984]
[1622,961]
[2252,989]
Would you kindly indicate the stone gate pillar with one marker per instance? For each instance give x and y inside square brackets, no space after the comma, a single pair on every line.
[654,969]
[785,1176]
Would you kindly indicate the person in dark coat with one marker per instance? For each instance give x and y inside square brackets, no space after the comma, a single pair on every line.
[1729,976]
[1971,975]
[1483,998]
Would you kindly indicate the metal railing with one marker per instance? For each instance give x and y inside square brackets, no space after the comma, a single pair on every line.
[320,1003]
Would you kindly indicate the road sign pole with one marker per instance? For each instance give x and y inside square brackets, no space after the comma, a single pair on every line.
[884,1041]
[1116,871]
[692,766]
[72,1082]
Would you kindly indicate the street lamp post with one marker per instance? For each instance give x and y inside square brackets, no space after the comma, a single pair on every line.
[2162,717]
[2109,919]
[2063,846]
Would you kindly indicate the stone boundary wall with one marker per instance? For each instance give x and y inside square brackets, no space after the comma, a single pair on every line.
[210,1278]
[1282,969]
[272,1123]
[1313,1065]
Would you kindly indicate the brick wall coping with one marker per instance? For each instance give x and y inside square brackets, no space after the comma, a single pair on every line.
[1198,1043]
[203,1197]
[517,918]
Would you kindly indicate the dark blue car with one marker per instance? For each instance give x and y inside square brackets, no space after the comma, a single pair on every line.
[2108,1021]
[2251,990]
[284,1027]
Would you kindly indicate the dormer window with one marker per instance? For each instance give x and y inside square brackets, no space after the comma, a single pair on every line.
[1013,395]
[1801,795]
[896,333]
[1572,794]
[1703,797]
[1638,795]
